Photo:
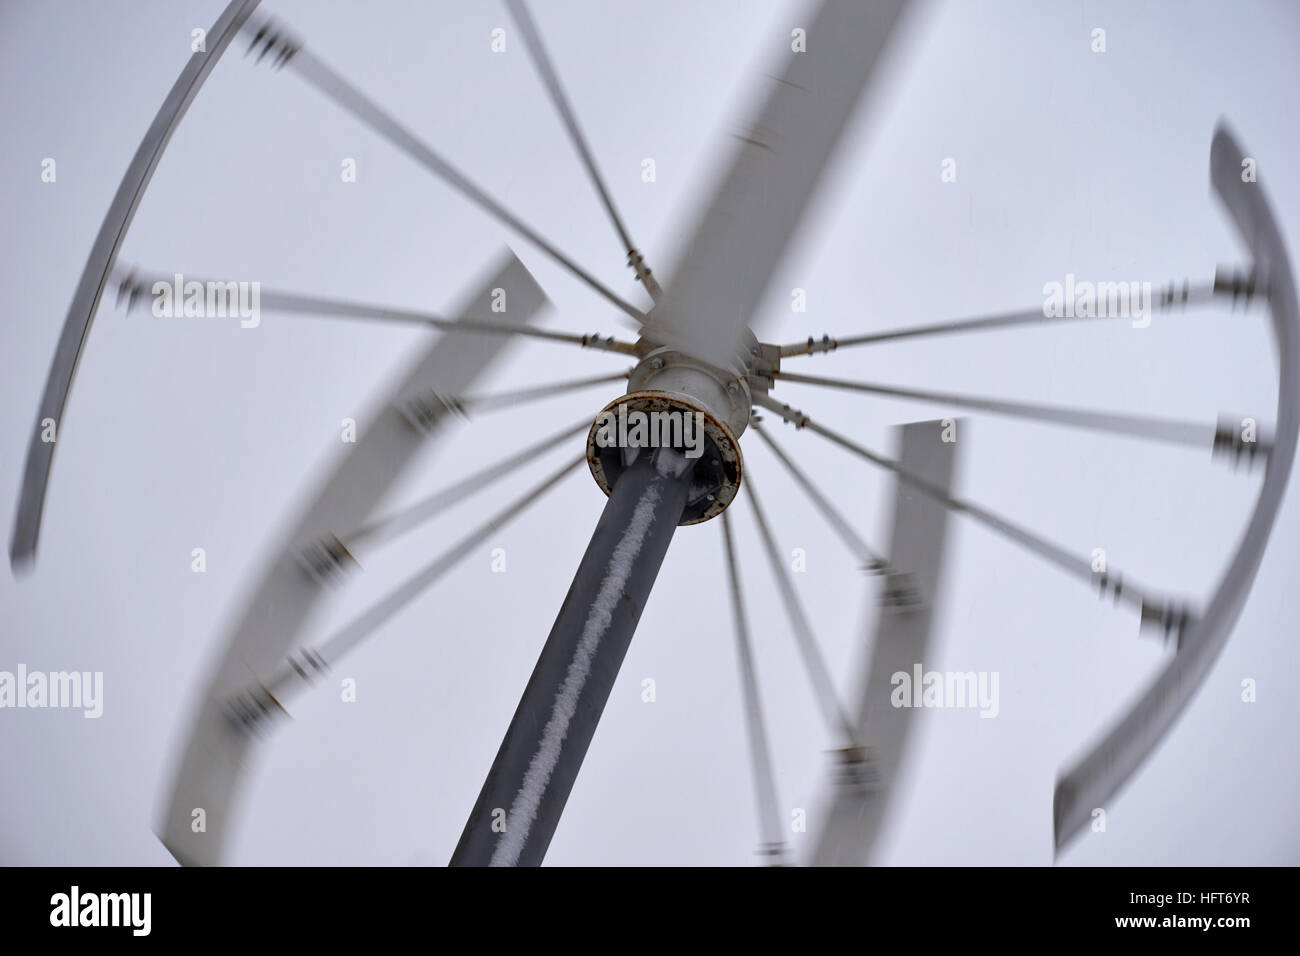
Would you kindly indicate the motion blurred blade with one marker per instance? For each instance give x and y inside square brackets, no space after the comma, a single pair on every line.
[85,301]
[776,165]
[1110,763]
[219,745]
[867,781]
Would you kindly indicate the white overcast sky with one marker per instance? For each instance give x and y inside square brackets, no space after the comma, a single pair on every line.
[196,433]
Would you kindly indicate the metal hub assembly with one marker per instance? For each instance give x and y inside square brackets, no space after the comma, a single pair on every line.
[676,401]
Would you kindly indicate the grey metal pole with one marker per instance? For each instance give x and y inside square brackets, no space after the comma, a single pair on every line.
[520,804]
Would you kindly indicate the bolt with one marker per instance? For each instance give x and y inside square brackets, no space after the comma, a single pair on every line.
[656,363]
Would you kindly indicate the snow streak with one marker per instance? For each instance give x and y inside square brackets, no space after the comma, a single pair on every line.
[523,811]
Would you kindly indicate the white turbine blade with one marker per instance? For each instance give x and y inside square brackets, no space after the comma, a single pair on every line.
[867,780]
[76,326]
[1109,764]
[777,163]
[218,747]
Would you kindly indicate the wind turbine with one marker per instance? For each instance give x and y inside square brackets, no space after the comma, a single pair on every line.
[696,352]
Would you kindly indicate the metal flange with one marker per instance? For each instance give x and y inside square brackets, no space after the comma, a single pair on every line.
[715,478]
[723,394]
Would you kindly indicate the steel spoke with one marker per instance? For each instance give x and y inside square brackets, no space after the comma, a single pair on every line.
[333,85]
[1168,613]
[769,816]
[871,560]
[133,285]
[551,80]
[1138,426]
[534,393]
[818,673]
[399,522]
[300,669]
[1170,299]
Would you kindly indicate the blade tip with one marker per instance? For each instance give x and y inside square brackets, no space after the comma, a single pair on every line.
[22,559]
[1063,799]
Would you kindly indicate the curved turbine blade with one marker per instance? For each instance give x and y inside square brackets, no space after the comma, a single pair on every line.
[40,453]
[218,747]
[1109,764]
[868,775]
[775,168]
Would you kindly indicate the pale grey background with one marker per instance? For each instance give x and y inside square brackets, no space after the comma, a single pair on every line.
[197,433]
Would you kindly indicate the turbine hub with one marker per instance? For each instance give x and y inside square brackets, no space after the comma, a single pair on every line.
[675,401]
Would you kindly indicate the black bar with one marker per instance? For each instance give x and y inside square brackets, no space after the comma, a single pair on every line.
[243,909]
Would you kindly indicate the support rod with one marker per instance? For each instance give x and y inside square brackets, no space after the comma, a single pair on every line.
[760,748]
[1169,299]
[525,792]
[301,669]
[134,284]
[871,561]
[341,91]
[394,523]
[1192,434]
[819,674]
[1170,612]
[551,80]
